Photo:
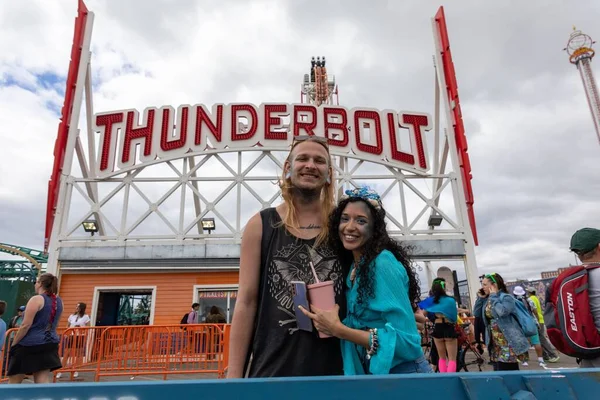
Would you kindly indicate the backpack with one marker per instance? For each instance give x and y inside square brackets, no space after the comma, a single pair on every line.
[569,320]
[525,319]
[184,318]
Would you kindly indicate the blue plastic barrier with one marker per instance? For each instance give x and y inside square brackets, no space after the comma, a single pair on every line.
[557,385]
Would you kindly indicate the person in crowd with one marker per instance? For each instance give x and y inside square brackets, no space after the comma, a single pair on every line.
[445,314]
[2,325]
[586,244]
[35,346]
[520,295]
[17,320]
[379,334]
[463,312]
[215,316]
[479,324]
[276,248]
[549,352]
[193,314]
[504,336]
[3,355]
[74,342]
[79,318]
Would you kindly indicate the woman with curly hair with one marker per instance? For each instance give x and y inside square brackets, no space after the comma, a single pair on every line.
[379,334]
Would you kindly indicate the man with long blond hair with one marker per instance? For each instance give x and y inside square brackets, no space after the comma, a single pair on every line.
[277,246]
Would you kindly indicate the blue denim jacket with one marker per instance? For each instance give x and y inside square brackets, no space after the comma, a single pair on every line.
[503,306]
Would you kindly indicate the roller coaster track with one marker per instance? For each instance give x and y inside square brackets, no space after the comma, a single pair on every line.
[35,257]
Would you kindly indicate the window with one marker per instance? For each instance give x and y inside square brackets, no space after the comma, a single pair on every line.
[123,307]
[222,298]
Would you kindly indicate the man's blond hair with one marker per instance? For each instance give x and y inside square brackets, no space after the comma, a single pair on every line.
[327,200]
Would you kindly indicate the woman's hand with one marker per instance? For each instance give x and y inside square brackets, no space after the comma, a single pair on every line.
[420,319]
[326,321]
[493,289]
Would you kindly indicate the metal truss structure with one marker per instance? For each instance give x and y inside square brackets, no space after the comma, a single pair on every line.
[165,203]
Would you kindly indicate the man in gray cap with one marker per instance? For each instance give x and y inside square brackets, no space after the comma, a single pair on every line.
[586,244]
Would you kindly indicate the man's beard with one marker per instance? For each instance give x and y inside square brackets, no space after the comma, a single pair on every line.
[307,195]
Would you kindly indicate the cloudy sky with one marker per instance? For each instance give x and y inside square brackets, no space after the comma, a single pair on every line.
[534,153]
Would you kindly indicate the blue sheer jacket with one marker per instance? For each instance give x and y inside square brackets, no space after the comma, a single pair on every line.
[390,312]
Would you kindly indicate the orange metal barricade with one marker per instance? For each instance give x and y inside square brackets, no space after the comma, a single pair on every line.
[161,350]
[139,350]
[4,353]
[80,349]
[225,348]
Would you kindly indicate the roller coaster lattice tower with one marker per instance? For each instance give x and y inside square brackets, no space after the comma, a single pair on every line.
[581,53]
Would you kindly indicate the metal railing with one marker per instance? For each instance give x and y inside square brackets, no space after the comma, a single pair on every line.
[138,350]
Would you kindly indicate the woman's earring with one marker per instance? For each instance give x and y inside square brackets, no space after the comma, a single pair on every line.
[288,175]
[328,179]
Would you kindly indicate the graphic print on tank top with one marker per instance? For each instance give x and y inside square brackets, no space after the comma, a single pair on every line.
[291,263]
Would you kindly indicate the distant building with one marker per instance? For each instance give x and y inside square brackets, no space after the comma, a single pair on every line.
[552,274]
[540,286]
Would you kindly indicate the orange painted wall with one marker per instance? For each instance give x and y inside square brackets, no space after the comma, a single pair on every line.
[174,290]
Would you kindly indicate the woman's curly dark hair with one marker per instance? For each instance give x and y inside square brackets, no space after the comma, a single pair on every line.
[379,241]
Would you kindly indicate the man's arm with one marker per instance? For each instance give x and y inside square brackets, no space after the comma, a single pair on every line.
[594,293]
[246,303]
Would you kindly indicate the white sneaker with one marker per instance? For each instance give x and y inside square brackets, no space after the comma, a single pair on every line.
[525,364]
[75,374]
[58,375]
[543,364]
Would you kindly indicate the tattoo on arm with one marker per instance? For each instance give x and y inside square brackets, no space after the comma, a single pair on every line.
[311,226]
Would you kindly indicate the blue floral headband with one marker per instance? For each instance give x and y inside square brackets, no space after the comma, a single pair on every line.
[367,194]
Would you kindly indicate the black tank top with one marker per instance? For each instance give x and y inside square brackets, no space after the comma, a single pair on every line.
[278,347]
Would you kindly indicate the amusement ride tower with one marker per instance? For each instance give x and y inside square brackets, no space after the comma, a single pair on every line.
[317,88]
[581,53]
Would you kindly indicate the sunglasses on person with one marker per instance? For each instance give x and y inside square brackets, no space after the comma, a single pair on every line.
[310,138]
[491,277]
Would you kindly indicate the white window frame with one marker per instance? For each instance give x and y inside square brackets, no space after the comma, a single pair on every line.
[225,287]
[98,289]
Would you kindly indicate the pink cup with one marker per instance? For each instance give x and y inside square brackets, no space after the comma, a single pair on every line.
[321,295]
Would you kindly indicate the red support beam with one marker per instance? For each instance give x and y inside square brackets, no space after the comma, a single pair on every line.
[458,126]
[63,127]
